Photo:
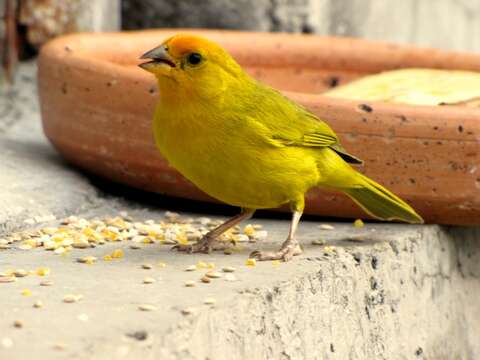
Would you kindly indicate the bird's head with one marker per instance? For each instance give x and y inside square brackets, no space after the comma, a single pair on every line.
[192,63]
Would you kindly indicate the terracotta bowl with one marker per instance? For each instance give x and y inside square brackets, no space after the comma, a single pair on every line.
[97,106]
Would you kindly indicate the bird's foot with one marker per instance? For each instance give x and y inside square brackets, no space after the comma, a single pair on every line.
[205,245]
[286,253]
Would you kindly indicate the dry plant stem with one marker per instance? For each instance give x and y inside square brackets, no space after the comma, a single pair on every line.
[210,241]
[289,249]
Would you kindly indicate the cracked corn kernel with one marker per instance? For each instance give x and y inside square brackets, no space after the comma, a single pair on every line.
[26,292]
[358,223]
[251,262]
[201,265]
[117,254]
[44,271]
[249,230]
[211,265]
[107,258]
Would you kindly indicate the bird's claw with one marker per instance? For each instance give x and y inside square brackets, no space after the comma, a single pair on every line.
[286,253]
[205,245]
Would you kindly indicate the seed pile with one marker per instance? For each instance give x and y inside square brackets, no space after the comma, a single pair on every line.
[82,233]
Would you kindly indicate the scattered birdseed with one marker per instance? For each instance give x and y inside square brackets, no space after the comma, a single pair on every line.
[107,258]
[209,301]
[189,283]
[7,343]
[188,311]
[241,238]
[213,274]
[148,280]
[326,227]
[71,298]
[89,260]
[147,307]
[211,265]
[201,265]
[7,279]
[18,324]
[329,249]
[20,273]
[162,264]
[46,283]
[249,230]
[228,251]
[276,262]
[251,262]
[358,223]
[26,292]
[318,242]
[191,268]
[38,304]
[230,277]
[117,254]
[135,247]
[83,317]
[147,266]
[228,269]
[205,279]
[43,271]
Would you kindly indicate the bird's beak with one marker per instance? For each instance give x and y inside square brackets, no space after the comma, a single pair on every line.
[160,60]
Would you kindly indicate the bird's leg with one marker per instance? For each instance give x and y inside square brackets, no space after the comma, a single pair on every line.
[290,247]
[210,240]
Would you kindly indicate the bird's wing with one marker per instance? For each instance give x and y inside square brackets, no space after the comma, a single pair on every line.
[291,125]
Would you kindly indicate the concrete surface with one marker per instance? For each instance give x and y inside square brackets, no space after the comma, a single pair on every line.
[404,292]
[448,24]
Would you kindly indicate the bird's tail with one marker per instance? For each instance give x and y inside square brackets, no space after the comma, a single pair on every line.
[379,202]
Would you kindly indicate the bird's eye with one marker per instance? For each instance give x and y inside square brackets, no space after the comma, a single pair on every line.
[194,58]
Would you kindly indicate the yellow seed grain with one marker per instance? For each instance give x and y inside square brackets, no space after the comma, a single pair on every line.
[148,280]
[358,223]
[107,258]
[117,254]
[211,266]
[201,265]
[276,262]
[249,230]
[38,304]
[251,262]
[26,292]
[318,242]
[44,271]
[209,301]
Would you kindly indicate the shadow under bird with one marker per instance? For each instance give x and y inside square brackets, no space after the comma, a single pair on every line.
[247,145]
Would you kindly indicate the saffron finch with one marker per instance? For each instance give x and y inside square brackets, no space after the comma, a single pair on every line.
[247,145]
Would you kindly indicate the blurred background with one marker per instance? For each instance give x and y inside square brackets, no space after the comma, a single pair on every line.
[448,24]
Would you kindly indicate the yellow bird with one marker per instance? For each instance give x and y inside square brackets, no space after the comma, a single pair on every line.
[247,145]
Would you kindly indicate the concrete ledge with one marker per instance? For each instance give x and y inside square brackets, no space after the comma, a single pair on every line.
[404,292]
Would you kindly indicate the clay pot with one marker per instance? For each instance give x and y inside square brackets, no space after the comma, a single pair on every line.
[97,107]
